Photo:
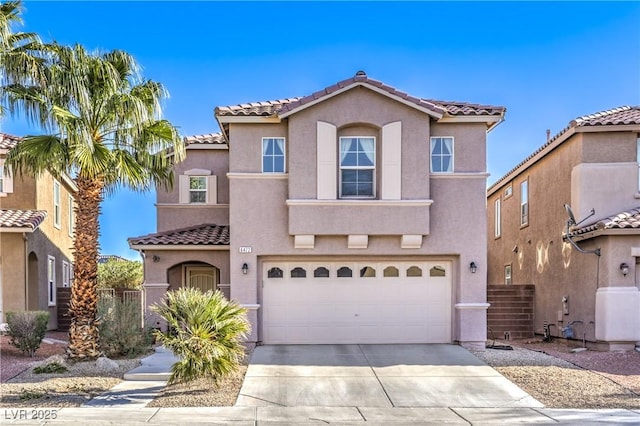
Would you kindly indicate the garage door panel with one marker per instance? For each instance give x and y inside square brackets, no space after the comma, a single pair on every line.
[357,309]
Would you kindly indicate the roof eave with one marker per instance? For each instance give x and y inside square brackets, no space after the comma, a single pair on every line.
[18,229]
[165,247]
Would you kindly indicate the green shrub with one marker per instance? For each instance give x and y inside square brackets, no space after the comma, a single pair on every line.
[120,328]
[50,368]
[205,330]
[120,273]
[27,329]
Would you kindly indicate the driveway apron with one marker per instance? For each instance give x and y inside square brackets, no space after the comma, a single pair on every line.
[430,375]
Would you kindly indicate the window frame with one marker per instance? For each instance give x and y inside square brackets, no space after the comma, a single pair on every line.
[57,213]
[199,190]
[524,203]
[71,217]
[638,160]
[357,168]
[497,218]
[508,277]
[432,141]
[66,274]
[2,183]
[51,281]
[274,156]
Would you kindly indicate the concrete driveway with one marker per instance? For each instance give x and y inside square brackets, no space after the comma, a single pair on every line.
[375,376]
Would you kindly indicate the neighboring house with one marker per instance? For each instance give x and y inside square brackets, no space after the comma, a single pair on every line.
[592,164]
[36,238]
[353,215]
[104,258]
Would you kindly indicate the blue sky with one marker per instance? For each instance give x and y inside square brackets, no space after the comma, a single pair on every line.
[547,63]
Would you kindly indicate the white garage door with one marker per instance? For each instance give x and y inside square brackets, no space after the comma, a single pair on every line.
[356,302]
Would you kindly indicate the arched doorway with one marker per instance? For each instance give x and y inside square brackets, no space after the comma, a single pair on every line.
[33,289]
[200,275]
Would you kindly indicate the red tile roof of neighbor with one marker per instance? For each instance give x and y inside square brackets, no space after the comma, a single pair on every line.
[211,138]
[30,219]
[8,141]
[629,219]
[207,234]
[624,115]
[269,108]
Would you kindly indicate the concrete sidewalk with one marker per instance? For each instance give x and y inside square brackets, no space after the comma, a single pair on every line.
[141,385]
[241,416]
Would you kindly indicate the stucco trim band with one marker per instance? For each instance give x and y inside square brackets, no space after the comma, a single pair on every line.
[193,206]
[250,306]
[483,306]
[155,285]
[346,202]
[460,175]
[238,175]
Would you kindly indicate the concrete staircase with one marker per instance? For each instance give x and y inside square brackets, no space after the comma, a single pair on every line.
[510,315]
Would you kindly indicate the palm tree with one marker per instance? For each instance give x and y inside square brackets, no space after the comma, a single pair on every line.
[104,128]
[21,54]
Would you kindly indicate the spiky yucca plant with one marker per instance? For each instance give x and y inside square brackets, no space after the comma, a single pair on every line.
[205,330]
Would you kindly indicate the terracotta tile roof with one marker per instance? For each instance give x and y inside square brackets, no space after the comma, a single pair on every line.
[211,138]
[8,141]
[22,218]
[624,115]
[207,234]
[282,106]
[629,219]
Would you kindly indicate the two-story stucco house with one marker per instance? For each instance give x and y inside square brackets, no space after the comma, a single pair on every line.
[592,164]
[356,214]
[36,238]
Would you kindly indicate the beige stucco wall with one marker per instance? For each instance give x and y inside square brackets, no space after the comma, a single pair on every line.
[260,218]
[35,194]
[173,215]
[571,175]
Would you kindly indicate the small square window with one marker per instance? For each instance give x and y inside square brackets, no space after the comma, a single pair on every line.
[197,189]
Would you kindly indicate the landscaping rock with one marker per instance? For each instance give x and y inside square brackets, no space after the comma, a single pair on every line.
[106,364]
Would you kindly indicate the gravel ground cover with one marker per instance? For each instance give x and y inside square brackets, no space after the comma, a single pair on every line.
[560,379]
[21,387]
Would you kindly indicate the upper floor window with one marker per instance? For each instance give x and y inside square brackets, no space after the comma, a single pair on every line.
[56,204]
[198,186]
[1,177]
[357,167]
[197,189]
[524,203]
[498,218]
[508,191]
[273,155]
[637,159]
[442,155]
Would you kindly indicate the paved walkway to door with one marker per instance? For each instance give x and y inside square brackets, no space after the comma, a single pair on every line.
[381,376]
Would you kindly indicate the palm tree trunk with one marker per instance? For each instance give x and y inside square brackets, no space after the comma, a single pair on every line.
[83,332]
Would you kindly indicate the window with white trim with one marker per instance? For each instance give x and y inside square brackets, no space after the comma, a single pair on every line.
[524,203]
[71,224]
[273,155]
[357,167]
[441,154]
[66,273]
[197,189]
[51,281]
[56,204]
[507,274]
[6,181]
[497,218]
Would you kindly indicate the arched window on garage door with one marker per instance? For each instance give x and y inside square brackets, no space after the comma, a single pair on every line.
[275,273]
[367,272]
[321,272]
[391,271]
[298,272]
[437,271]
[414,271]
[345,272]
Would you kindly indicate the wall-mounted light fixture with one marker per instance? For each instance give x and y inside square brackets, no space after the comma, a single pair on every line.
[155,258]
[245,268]
[473,267]
[624,268]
